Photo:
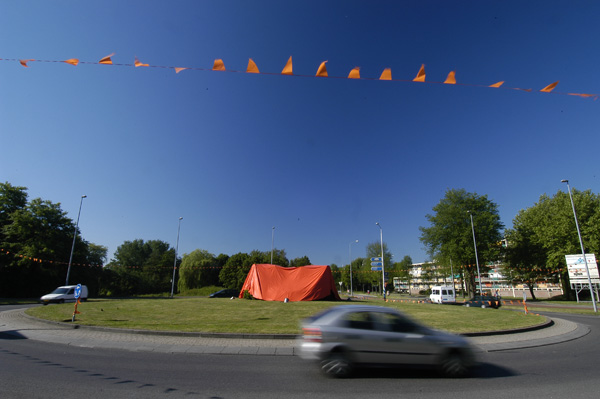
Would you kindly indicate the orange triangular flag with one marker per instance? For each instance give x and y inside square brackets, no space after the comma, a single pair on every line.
[287,69]
[451,79]
[72,61]
[177,70]
[421,75]
[252,68]
[322,71]
[386,74]
[550,87]
[106,60]
[138,63]
[24,63]
[354,74]
[497,84]
[583,95]
[218,65]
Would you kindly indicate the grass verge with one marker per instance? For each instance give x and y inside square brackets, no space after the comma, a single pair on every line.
[262,317]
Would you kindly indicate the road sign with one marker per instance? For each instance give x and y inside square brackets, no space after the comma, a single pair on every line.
[376,269]
[78,291]
[376,263]
[376,259]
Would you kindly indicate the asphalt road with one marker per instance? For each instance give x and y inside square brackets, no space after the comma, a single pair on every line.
[34,369]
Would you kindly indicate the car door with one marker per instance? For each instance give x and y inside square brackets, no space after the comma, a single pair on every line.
[401,341]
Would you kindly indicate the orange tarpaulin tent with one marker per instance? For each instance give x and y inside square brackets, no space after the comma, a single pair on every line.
[276,283]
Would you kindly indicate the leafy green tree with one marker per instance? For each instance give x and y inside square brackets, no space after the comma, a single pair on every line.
[200,269]
[543,234]
[403,269]
[141,268]
[303,261]
[236,268]
[38,237]
[450,236]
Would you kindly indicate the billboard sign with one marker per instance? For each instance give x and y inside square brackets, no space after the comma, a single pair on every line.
[577,272]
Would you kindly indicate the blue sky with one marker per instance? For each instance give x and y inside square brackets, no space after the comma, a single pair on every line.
[321,159]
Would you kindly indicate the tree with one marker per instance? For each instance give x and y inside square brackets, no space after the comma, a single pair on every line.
[236,268]
[450,236]
[38,236]
[374,251]
[141,268]
[404,269]
[303,261]
[200,269]
[543,234]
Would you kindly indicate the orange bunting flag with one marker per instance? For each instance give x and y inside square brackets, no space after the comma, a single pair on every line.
[421,75]
[218,65]
[24,63]
[497,84]
[138,63]
[451,79]
[550,87]
[322,71]
[287,69]
[72,61]
[386,74]
[106,60]
[252,68]
[354,74]
[177,70]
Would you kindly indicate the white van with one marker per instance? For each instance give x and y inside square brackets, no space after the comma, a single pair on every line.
[442,294]
[65,293]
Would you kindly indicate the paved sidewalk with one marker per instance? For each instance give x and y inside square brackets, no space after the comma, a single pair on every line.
[17,325]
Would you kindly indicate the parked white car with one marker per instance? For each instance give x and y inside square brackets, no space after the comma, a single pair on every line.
[65,293]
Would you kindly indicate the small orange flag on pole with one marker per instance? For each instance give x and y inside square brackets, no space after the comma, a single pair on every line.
[287,69]
[421,75]
[322,71]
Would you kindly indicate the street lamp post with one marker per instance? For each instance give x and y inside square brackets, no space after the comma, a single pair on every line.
[272,242]
[582,250]
[350,255]
[476,257]
[382,260]
[175,261]
[74,237]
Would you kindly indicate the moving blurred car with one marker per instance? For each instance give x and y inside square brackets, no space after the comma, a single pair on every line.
[484,301]
[65,293]
[227,293]
[343,337]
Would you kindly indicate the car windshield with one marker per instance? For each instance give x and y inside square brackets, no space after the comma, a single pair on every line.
[60,290]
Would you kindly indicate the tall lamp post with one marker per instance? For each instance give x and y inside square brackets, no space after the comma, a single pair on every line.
[476,257]
[272,242]
[582,250]
[350,255]
[175,261]
[74,237]
[382,260]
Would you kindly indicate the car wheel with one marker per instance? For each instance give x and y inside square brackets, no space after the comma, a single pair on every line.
[483,306]
[453,365]
[61,301]
[336,365]
[468,305]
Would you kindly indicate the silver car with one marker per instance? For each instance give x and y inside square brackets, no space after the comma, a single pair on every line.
[342,337]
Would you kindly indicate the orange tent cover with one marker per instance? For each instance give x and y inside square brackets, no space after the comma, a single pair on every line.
[275,283]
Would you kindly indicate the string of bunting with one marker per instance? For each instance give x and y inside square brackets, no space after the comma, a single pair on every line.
[219,65]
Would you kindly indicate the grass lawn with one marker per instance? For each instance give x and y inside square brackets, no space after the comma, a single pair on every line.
[252,316]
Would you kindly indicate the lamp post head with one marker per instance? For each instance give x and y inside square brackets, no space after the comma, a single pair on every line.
[181,217]
[356,241]
[84,196]
[564,181]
